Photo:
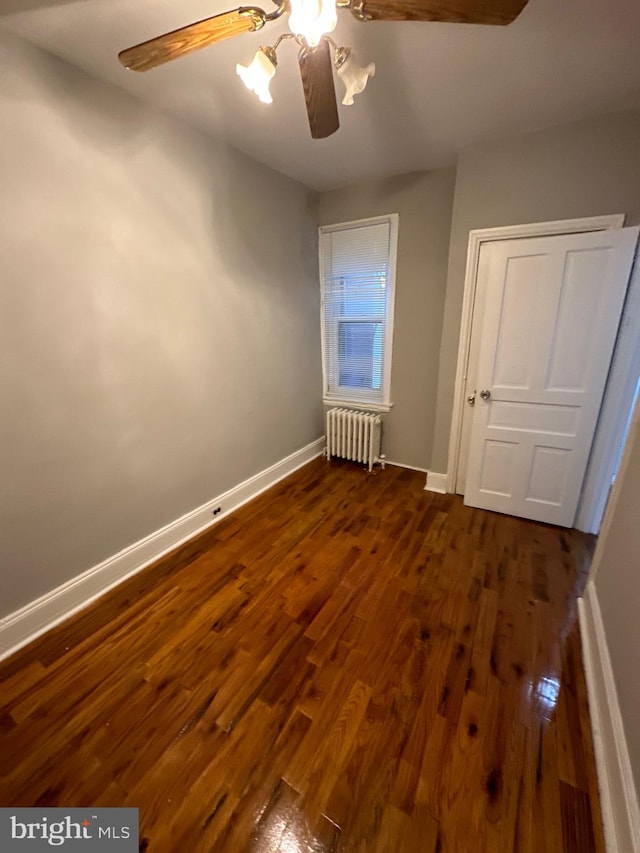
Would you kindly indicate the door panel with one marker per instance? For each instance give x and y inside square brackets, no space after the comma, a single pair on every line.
[516,334]
[551,311]
[534,417]
[581,300]
[496,474]
[549,475]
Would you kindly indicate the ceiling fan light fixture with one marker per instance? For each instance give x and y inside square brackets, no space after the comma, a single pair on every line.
[312,19]
[257,76]
[354,76]
[310,23]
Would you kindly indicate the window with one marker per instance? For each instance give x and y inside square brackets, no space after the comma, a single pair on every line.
[357,280]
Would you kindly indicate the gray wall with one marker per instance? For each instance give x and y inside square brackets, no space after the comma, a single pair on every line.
[158,317]
[161,338]
[617,581]
[424,202]
[587,168]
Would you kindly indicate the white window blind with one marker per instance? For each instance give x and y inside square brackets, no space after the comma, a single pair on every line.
[357,265]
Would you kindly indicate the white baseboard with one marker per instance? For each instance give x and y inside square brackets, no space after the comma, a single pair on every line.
[618,796]
[24,625]
[409,467]
[436,483]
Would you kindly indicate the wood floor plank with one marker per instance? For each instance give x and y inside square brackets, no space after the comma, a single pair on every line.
[264,779]
[336,749]
[577,824]
[347,663]
[399,831]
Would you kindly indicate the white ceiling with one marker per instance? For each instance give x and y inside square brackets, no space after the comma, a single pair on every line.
[438,87]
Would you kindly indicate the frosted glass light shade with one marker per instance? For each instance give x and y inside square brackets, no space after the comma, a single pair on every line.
[258,75]
[312,19]
[355,77]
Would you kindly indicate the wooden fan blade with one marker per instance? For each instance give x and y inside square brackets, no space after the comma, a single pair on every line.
[499,12]
[319,92]
[180,42]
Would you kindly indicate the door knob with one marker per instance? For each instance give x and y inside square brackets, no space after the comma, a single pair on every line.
[471,400]
[486,394]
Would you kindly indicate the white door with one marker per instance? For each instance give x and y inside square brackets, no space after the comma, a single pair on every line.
[551,308]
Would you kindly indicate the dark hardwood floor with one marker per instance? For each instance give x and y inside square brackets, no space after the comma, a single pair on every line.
[348,663]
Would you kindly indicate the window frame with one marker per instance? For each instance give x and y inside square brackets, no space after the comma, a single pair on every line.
[330,361]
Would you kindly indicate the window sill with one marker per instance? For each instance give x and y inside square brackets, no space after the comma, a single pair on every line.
[358,405]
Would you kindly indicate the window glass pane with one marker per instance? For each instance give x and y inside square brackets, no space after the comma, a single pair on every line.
[377,358]
[360,355]
[358,281]
[355,297]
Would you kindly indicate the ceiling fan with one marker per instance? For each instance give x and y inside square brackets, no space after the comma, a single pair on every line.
[310,22]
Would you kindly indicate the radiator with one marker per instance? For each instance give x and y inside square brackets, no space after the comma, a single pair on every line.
[354,435]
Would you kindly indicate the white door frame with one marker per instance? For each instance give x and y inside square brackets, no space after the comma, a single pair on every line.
[476,239]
